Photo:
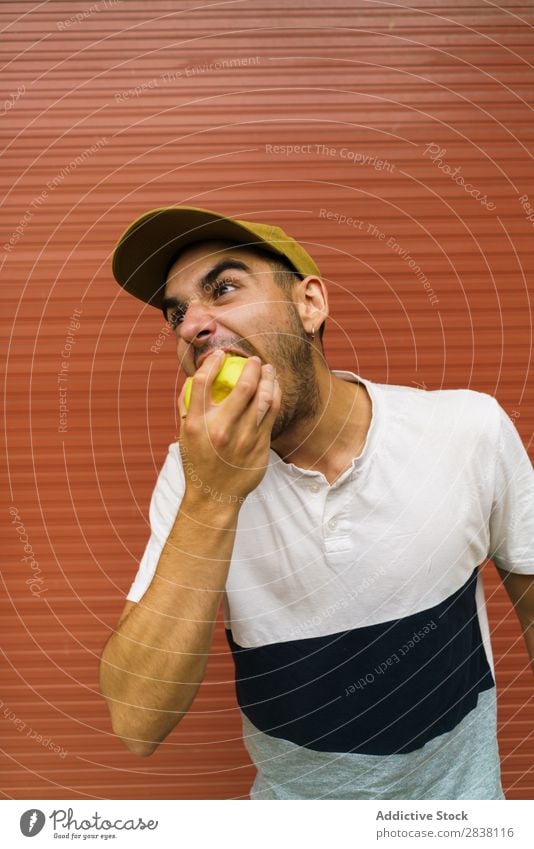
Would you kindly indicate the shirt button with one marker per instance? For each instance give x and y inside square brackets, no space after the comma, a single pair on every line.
[314,487]
[332,524]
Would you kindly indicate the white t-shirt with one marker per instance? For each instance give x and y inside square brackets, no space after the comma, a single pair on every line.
[355,610]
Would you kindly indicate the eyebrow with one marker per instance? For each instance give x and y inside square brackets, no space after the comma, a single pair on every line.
[207,280]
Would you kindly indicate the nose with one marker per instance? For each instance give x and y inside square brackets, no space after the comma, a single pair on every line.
[198,324]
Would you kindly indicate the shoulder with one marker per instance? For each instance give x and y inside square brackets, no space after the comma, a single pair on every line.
[466,415]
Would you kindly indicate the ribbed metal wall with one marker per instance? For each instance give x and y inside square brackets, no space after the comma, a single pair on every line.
[114,108]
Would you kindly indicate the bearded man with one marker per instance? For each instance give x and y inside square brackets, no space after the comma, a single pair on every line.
[341,522]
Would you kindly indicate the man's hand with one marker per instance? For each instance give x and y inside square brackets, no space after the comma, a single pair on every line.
[225,447]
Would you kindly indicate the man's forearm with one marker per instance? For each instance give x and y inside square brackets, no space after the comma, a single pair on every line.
[520,588]
[528,633]
[154,662]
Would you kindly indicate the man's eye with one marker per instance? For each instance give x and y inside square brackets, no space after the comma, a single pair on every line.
[176,317]
[221,287]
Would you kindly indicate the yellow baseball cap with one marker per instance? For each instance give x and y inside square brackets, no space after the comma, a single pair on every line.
[145,250]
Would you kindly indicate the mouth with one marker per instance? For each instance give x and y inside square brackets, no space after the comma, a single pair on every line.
[234,351]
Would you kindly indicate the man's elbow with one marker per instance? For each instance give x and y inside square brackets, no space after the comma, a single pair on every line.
[136,740]
[140,740]
[138,747]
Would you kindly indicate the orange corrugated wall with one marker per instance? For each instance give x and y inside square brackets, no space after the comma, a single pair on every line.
[114,108]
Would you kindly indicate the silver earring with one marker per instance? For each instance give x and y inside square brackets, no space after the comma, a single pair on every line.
[313,333]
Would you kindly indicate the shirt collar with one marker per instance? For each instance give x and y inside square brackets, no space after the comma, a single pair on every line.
[367,451]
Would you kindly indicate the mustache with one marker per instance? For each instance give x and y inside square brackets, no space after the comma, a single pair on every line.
[236,344]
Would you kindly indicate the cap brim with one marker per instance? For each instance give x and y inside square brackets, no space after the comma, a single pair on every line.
[144,251]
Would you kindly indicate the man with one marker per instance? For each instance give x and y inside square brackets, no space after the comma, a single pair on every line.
[343,523]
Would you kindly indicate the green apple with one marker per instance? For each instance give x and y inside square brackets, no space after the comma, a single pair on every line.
[224,382]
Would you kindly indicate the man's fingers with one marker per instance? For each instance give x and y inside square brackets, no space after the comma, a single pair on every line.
[269,418]
[265,393]
[251,399]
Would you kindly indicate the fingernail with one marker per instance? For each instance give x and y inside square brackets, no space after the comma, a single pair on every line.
[215,355]
[269,368]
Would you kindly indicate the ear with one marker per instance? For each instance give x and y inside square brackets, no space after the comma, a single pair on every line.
[311,299]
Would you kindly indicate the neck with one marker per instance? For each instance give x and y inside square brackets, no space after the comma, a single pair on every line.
[329,441]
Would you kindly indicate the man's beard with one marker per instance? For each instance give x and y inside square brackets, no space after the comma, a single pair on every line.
[300,392]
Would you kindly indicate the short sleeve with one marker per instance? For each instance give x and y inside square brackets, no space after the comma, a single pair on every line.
[164,504]
[512,514]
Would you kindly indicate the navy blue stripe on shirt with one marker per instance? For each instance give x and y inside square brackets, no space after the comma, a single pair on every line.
[379,690]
